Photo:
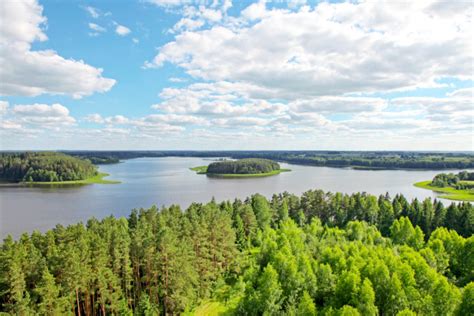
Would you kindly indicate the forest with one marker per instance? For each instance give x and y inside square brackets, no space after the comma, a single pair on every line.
[318,253]
[44,167]
[353,159]
[243,166]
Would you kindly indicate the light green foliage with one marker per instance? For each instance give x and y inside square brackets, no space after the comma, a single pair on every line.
[290,256]
[262,210]
[402,232]
[306,306]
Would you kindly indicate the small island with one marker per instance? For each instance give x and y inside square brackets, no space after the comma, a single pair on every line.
[243,168]
[48,168]
[459,187]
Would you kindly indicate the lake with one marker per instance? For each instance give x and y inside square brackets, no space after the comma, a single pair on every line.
[165,181]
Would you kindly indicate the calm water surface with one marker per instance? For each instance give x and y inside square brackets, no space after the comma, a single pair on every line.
[164,181]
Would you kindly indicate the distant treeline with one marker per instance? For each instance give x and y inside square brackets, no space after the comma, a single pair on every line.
[319,253]
[101,160]
[361,159]
[44,167]
[243,166]
[453,180]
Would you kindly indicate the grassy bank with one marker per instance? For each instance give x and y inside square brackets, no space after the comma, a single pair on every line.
[200,169]
[203,170]
[97,179]
[450,193]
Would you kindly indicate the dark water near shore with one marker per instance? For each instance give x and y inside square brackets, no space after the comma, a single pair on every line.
[164,181]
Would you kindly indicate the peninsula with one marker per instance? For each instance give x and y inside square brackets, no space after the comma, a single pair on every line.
[458,187]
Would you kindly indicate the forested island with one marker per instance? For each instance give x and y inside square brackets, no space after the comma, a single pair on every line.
[48,168]
[376,160]
[249,167]
[319,253]
[456,186]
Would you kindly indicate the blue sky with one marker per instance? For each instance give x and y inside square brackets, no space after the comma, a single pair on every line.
[170,74]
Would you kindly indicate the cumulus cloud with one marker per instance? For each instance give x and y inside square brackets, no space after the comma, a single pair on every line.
[26,72]
[39,115]
[331,49]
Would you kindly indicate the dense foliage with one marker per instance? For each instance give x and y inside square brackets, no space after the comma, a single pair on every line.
[44,166]
[453,180]
[101,160]
[243,166]
[331,254]
[356,159]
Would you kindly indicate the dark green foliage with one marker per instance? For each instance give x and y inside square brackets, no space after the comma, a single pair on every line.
[243,166]
[44,167]
[101,160]
[321,253]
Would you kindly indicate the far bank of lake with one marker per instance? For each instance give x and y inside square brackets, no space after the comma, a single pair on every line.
[165,181]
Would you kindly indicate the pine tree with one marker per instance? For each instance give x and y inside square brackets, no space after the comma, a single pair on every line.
[49,301]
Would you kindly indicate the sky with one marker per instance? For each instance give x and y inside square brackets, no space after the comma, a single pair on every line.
[236,75]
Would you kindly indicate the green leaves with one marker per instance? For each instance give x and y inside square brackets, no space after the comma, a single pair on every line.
[249,257]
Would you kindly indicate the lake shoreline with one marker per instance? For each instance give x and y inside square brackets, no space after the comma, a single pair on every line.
[202,170]
[97,179]
[167,181]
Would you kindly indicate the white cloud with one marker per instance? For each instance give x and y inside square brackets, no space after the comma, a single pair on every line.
[93,12]
[94,118]
[97,28]
[333,49]
[40,115]
[173,119]
[3,106]
[36,109]
[463,93]
[168,3]
[333,104]
[116,119]
[176,79]
[186,24]
[240,121]
[255,11]
[122,30]
[25,72]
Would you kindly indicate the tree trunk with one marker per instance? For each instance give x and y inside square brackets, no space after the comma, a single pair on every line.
[77,302]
